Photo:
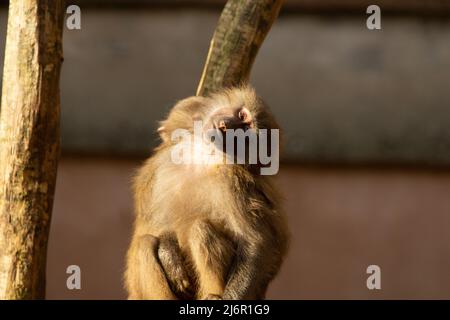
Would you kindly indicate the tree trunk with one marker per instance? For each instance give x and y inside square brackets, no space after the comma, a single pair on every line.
[240,32]
[29,143]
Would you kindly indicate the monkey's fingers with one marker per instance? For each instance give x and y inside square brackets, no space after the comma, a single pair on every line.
[182,286]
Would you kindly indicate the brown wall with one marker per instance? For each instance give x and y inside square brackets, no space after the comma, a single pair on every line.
[342,220]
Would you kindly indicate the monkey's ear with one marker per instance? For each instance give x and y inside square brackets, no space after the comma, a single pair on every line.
[163,132]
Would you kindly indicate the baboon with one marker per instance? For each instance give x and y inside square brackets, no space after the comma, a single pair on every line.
[206,231]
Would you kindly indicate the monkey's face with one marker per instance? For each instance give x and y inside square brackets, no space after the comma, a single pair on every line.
[227,122]
[238,108]
[233,125]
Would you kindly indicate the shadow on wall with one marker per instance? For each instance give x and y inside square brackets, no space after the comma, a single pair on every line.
[342,221]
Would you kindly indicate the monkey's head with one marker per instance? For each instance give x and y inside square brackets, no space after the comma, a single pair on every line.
[237,113]
[235,108]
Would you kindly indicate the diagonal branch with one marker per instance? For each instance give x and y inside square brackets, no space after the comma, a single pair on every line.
[239,34]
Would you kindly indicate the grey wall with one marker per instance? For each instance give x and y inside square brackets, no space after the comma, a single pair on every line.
[343,94]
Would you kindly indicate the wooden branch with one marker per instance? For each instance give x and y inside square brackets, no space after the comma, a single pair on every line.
[239,34]
[29,143]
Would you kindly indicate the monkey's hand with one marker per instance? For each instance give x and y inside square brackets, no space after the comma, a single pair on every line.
[173,264]
[213,297]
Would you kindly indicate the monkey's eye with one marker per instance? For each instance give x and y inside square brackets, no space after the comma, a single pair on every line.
[244,115]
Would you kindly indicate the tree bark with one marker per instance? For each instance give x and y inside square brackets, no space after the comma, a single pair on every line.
[29,143]
[239,34]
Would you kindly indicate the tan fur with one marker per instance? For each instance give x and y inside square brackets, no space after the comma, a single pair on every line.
[205,231]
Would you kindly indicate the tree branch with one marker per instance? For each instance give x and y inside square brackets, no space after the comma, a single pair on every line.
[239,34]
[29,143]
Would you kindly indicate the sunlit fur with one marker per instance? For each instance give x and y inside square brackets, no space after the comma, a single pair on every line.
[226,219]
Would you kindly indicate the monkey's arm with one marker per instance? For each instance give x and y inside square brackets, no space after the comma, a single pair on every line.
[174,265]
[245,278]
[255,265]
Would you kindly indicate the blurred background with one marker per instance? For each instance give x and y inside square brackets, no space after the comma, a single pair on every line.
[366,114]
